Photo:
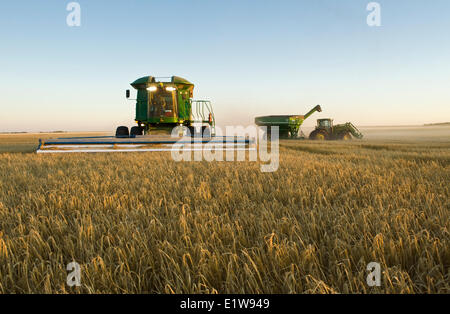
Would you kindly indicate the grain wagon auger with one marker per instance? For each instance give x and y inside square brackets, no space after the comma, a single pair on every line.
[166,116]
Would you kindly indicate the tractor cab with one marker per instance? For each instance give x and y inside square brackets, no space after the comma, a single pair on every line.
[326,124]
[323,131]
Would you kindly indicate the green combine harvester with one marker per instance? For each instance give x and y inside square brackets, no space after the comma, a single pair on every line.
[165,103]
[289,126]
[166,117]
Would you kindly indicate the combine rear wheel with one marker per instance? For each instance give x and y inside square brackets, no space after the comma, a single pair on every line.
[122,131]
[318,135]
[204,131]
[207,131]
[191,130]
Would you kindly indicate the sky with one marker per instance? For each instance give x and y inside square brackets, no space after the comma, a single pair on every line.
[249,57]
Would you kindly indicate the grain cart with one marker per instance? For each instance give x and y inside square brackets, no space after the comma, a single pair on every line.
[289,126]
[325,130]
[162,106]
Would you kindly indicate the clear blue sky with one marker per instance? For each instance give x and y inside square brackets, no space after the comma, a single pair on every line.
[250,57]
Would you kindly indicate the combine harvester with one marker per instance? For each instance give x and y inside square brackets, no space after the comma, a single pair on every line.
[167,118]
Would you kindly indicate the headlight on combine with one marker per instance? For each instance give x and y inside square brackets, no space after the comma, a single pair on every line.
[152,88]
[170,89]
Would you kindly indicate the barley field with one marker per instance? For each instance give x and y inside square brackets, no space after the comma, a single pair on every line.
[143,223]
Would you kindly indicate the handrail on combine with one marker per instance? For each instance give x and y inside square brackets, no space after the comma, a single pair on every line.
[203,112]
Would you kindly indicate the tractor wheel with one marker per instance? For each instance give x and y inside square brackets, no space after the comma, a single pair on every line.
[318,135]
[345,136]
[122,131]
[136,130]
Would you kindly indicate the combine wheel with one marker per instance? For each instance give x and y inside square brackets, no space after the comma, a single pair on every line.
[122,131]
[318,135]
[206,131]
[178,130]
[136,130]
[203,131]
[191,130]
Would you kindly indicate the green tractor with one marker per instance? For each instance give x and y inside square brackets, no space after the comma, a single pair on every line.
[165,103]
[325,130]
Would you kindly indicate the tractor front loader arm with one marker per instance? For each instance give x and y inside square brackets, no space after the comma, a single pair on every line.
[353,130]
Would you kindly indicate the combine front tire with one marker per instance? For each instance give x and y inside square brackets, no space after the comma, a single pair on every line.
[122,131]
[194,131]
[136,130]
[206,131]
[318,135]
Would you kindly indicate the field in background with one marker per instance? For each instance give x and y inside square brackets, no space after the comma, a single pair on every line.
[394,134]
[144,223]
[436,133]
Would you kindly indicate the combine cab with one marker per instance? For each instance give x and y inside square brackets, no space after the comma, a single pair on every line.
[165,103]
[325,130]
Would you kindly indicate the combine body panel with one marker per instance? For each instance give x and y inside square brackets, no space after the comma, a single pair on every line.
[289,126]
